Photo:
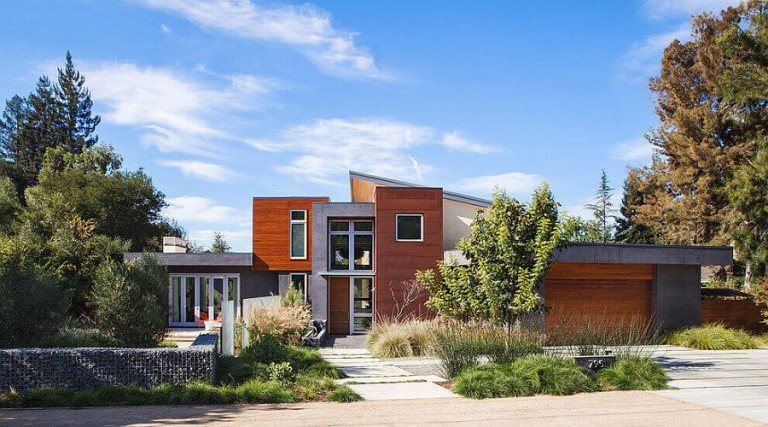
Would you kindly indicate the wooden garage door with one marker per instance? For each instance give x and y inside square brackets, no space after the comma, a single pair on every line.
[615,293]
[338,301]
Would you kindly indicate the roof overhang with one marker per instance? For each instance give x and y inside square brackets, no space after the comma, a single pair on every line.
[191,259]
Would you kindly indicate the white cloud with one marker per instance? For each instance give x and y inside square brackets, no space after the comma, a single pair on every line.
[239,239]
[328,148]
[643,59]
[177,111]
[306,28]
[193,209]
[638,149]
[660,9]
[455,141]
[165,29]
[201,170]
[512,182]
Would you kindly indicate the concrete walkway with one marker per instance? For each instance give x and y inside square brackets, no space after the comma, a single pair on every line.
[733,381]
[376,379]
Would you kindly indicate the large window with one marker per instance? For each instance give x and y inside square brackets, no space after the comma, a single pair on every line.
[298,234]
[409,227]
[198,298]
[351,245]
[299,282]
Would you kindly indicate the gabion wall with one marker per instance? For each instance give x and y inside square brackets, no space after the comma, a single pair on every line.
[28,368]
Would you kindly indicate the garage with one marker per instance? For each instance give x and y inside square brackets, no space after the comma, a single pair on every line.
[617,293]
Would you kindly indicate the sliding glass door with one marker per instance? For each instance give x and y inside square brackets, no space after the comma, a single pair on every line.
[196,299]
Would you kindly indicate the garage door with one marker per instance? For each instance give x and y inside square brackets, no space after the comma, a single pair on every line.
[615,293]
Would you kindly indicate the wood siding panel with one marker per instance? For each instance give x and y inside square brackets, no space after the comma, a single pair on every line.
[614,293]
[272,232]
[397,262]
[338,305]
[740,314]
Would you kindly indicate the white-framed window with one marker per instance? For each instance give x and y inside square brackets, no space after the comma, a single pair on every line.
[350,245]
[299,282]
[196,298]
[409,227]
[298,234]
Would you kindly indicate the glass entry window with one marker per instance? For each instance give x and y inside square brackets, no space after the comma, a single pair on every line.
[350,245]
[361,293]
[195,299]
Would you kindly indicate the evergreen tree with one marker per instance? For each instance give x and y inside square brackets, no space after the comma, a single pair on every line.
[220,245]
[602,208]
[38,133]
[11,124]
[627,228]
[76,124]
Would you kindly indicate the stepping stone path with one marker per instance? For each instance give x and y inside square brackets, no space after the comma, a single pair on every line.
[377,379]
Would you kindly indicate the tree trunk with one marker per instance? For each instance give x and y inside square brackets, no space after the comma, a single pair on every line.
[747,286]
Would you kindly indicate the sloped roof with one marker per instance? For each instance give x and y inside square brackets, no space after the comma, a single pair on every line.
[450,195]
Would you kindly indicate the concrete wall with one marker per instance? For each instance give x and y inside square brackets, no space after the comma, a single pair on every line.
[318,283]
[457,218]
[676,295]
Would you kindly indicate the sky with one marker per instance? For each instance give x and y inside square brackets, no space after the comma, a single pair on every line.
[220,101]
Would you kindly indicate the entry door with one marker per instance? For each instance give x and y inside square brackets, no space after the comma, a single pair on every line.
[338,305]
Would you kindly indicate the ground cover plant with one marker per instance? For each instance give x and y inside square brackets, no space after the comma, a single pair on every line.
[583,334]
[633,373]
[388,339]
[713,337]
[268,371]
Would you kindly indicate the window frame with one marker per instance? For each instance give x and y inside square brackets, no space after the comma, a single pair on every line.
[351,233]
[421,227]
[306,283]
[290,233]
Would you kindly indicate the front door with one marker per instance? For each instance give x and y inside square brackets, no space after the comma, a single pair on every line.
[338,305]
[350,305]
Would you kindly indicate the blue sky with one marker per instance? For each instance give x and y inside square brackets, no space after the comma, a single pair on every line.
[223,100]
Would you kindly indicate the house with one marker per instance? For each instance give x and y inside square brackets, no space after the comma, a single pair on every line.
[354,260]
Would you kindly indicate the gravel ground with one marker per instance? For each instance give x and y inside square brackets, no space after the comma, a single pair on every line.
[593,409]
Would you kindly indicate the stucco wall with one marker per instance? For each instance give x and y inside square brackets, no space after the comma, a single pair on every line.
[676,295]
[457,218]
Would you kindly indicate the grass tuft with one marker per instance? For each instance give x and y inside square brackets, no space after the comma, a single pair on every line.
[344,394]
[712,337]
[633,373]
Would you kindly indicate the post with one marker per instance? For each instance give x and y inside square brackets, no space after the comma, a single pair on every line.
[228,328]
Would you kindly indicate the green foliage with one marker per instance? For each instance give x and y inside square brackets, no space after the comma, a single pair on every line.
[712,337]
[10,208]
[602,209]
[131,301]
[557,376]
[633,373]
[344,394]
[628,230]
[76,123]
[490,382]
[33,303]
[233,370]
[508,250]
[219,245]
[266,348]
[576,229]
[281,372]
[293,297]
[584,334]
[72,337]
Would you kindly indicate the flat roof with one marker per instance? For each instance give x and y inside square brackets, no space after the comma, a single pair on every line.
[230,259]
[624,253]
[450,195]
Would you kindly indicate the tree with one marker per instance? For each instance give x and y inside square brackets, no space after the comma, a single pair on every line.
[628,230]
[508,252]
[10,208]
[76,124]
[576,229]
[602,208]
[219,245]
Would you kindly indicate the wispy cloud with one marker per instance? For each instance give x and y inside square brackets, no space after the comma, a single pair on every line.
[326,149]
[633,150]
[644,59]
[165,29]
[204,171]
[196,210]
[519,183]
[661,9]
[455,141]
[307,28]
[178,111]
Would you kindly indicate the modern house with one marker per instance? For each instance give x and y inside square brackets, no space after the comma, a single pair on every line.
[353,260]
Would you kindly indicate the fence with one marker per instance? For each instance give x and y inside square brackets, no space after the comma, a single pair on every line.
[733,313]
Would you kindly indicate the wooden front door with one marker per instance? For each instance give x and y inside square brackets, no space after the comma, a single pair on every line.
[338,301]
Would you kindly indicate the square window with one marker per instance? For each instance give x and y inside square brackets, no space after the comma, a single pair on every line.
[409,227]
[363,226]
[339,225]
[298,215]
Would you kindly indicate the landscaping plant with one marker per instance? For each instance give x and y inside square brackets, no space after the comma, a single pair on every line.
[633,373]
[713,337]
[389,339]
[287,322]
[585,334]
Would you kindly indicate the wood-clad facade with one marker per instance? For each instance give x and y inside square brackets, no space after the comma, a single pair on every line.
[272,233]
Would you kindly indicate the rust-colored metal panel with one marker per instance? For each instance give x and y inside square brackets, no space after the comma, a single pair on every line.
[338,305]
[397,262]
[577,270]
[272,232]
[740,314]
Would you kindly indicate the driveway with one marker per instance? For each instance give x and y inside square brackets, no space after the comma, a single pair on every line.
[733,381]
[591,409]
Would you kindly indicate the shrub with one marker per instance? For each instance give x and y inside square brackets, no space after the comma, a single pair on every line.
[633,373]
[255,391]
[71,337]
[33,303]
[580,334]
[131,301]
[712,337]
[406,339]
[266,348]
[281,372]
[344,394]
[309,387]
[286,322]
[490,381]
[233,370]
[556,376]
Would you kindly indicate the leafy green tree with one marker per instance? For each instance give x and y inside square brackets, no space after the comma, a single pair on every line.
[602,208]
[77,123]
[508,252]
[132,301]
[219,245]
[10,208]
[628,230]
[579,230]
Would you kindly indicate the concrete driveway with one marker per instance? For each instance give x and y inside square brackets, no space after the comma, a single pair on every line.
[733,381]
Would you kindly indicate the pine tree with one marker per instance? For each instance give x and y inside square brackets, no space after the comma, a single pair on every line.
[11,123]
[38,133]
[602,208]
[76,124]
[220,245]
[627,228]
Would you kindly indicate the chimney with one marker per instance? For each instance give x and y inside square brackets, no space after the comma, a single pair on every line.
[174,245]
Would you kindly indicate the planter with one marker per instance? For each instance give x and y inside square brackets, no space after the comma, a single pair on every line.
[595,363]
